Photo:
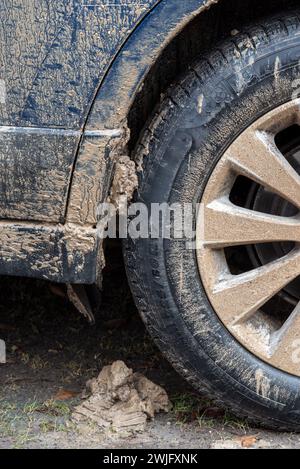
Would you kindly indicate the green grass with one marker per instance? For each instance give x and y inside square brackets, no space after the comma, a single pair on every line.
[189,407]
[20,425]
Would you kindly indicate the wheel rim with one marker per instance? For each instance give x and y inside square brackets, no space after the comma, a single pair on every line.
[243,299]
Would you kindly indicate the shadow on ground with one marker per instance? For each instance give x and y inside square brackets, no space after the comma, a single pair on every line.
[52,351]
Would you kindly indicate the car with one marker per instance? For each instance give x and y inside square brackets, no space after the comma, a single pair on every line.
[120,116]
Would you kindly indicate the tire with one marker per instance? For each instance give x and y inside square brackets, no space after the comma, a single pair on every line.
[247,76]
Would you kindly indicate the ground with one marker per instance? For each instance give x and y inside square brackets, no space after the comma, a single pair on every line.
[53,351]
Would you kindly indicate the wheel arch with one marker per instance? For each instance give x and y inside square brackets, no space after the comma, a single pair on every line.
[137,57]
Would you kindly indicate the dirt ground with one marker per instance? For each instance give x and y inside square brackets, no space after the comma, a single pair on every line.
[52,352]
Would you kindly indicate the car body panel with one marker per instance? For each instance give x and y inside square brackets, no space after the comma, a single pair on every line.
[55,54]
[53,57]
[69,72]
[35,172]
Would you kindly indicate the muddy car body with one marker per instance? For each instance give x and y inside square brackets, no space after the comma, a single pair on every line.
[64,115]
[102,100]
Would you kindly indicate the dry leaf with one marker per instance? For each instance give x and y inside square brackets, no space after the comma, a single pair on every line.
[248,441]
[65,395]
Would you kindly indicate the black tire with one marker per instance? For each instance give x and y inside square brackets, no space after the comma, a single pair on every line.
[179,149]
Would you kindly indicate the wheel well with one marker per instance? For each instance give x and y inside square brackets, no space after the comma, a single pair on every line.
[203,32]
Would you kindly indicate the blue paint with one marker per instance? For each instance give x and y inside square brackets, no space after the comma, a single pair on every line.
[158,28]
[71,47]
[61,45]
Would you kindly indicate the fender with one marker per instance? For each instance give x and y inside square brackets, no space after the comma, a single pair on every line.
[140,52]
[106,132]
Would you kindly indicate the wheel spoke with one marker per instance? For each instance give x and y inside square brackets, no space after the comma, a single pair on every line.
[228,225]
[238,297]
[285,344]
[255,155]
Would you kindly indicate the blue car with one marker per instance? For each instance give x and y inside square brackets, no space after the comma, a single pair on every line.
[174,126]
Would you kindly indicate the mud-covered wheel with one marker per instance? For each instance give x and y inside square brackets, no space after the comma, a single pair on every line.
[227,312]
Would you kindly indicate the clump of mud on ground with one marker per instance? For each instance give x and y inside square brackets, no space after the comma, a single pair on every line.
[121,400]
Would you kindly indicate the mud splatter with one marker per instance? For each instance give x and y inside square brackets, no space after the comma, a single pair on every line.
[262,384]
[277,69]
[125,180]
[200,103]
